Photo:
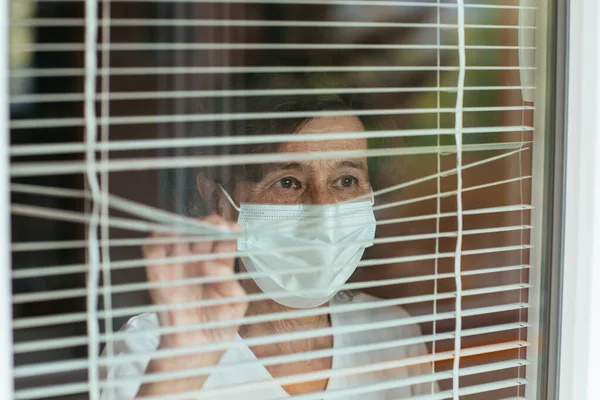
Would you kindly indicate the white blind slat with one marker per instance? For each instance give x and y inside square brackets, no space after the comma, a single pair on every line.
[192,226]
[29,322]
[39,393]
[354,370]
[73,365]
[32,322]
[151,212]
[374,3]
[77,244]
[75,341]
[446,395]
[156,119]
[67,167]
[370,263]
[72,216]
[127,288]
[188,230]
[174,94]
[475,389]
[75,388]
[128,145]
[128,71]
[80,268]
[128,22]
[447,194]
[171,46]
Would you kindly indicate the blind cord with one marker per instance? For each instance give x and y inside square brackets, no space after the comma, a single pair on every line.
[438,199]
[459,206]
[104,177]
[91,121]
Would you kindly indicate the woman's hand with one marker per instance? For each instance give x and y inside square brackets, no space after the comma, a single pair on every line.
[189,293]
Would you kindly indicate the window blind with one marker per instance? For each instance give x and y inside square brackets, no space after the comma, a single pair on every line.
[100,155]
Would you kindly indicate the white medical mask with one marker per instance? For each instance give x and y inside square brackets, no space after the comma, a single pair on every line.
[330,240]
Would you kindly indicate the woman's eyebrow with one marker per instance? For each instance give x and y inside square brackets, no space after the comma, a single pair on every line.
[352,164]
[284,167]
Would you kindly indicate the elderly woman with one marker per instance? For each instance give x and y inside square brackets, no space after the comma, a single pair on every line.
[303,227]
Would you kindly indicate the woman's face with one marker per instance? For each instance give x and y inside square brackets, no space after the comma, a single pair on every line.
[313,181]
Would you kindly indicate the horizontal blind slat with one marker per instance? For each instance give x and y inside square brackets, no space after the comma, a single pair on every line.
[40,393]
[354,370]
[232,235]
[130,311]
[327,331]
[439,376]
[255,297]
[73,216]
[475,389]
[182,225]
[452,171]
[373,3]
[127,288]
[81,387]
[173,46]
[78,244]
[136,208]
[450,193]
[129,145]
[174,94]
[22,169]
[136,22]
[155,119]
[29,322]
[401,342]
[75,341]
[123,223]
[129,71]
[53,367]
[68,389]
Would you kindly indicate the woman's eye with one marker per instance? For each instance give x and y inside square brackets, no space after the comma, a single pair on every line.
[348,181]
[289,183]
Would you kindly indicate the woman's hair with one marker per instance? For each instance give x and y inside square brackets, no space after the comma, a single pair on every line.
[279,94]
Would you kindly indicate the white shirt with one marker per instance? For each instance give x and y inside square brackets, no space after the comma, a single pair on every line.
[243,354]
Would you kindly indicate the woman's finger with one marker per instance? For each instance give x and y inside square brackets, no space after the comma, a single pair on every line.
[156,250]
[201,247]
[225,267]
[225,247]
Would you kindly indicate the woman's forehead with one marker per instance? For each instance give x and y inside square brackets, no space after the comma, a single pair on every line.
[328,125]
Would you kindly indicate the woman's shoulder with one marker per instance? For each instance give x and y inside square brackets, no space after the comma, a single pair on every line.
[394,320]
[141,322]
[356,297]
[139,334]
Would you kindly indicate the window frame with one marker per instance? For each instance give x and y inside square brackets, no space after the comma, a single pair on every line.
[548,197]
[579,357]
[569,358]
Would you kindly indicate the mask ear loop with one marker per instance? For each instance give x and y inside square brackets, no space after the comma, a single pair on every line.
[228,197]
[372,197]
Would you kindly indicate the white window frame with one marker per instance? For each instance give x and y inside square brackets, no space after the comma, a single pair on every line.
[579,365]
